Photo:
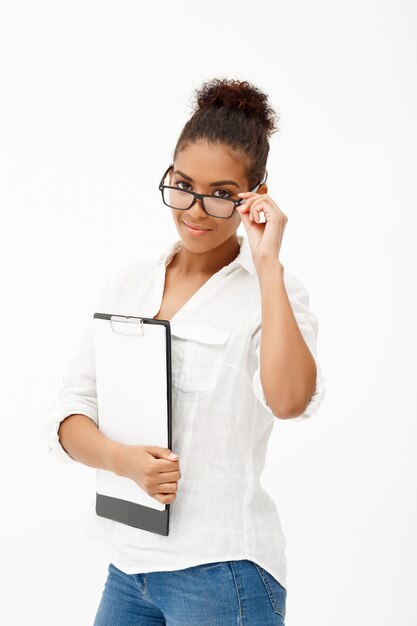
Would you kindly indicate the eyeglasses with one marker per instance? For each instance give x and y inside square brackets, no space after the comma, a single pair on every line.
[215,206]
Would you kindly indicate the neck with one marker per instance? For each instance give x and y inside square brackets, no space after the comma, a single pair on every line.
[190,263]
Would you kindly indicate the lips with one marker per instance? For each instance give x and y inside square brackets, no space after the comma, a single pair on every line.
[196,226]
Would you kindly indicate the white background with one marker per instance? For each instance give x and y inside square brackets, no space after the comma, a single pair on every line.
[93,98]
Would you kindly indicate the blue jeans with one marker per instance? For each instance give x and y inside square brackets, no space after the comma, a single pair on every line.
[223,593]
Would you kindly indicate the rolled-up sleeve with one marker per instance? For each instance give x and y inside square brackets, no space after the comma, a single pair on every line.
[309,327]
[77,393]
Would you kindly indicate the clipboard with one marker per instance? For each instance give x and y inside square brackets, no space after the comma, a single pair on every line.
[134,400]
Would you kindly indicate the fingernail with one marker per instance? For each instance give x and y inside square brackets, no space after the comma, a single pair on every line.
[173,456]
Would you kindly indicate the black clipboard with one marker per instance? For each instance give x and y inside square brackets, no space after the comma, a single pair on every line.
[134,398]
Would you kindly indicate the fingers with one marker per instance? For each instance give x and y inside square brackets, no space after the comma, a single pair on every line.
[168,476]
[166,488]
[256,203]
[165,498]
[252,208]
[167,492]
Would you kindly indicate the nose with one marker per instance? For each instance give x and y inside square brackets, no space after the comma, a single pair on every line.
[198,206]
[199,216]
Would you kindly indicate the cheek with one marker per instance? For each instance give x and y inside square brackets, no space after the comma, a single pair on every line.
[229,227]
[236,219]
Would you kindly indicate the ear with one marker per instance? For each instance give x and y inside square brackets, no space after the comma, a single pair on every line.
[263,189]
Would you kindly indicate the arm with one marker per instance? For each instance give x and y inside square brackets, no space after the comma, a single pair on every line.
[84,442]
[151,467]
[284,355]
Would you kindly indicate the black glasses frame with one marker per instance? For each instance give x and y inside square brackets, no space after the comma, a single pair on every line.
[201,196]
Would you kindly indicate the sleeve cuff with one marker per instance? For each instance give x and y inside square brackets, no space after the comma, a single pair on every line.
[55,448]
[316,399]
[312,407]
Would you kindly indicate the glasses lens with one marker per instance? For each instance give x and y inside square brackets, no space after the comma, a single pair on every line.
[177,199]
[219,207]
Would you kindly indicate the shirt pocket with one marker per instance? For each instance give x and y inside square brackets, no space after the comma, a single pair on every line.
[197,354]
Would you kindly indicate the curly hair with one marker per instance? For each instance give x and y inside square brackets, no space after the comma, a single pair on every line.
[236,114]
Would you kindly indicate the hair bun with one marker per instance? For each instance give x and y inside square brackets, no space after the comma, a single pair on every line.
[239,95]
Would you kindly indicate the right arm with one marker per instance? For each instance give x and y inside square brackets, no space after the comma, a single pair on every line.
[149,466]
[73,433]
[84,442]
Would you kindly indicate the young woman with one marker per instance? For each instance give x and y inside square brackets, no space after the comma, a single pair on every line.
[243,354]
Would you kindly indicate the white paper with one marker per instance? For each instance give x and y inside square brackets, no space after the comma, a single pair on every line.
[131,379]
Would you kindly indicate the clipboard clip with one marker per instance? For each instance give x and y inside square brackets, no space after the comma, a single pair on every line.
[134,325]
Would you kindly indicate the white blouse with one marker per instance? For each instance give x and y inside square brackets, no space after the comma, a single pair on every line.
[221,422]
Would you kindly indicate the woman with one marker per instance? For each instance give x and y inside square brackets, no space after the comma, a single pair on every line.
[233,312]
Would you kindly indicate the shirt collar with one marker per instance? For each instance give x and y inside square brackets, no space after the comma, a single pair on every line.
[244,258]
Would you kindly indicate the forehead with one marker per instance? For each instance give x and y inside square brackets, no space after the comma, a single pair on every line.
[206,163]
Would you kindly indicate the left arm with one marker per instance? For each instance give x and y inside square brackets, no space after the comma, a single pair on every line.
[284,355]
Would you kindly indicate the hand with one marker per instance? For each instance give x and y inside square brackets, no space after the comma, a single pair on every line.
[152,469]
[264,239]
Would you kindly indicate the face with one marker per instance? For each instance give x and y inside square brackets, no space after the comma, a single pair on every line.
[201,164]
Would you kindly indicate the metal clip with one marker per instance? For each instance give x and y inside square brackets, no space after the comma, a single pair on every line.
[137,321]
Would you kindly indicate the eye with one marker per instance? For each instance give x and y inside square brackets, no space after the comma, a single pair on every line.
[226,194]
[181,182]
[229,194]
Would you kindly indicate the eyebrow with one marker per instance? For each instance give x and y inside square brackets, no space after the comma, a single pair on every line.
[218,182]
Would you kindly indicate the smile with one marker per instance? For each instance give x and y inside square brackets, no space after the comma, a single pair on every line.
[196,231]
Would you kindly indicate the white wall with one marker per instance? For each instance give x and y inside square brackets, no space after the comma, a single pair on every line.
[93,98]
